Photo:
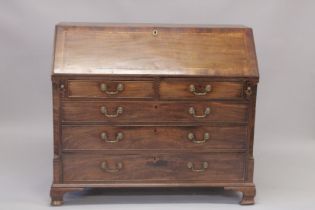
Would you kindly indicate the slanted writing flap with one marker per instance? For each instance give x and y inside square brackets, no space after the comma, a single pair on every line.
[155,50]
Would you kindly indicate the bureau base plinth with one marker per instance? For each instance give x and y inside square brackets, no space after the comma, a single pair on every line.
[248,194]
[57,191]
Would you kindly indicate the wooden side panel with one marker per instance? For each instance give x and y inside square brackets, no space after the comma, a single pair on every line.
[57,93]
[251,129]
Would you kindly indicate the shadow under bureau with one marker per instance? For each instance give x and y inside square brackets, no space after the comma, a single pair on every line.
[153,106]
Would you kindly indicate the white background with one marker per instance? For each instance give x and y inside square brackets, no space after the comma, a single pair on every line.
[285,122]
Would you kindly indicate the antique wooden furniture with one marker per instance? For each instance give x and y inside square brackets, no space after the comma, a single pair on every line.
[153,106]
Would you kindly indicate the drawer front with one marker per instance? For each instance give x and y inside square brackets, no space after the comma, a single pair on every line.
[153,138]
[155,111]
[183,166]
[110,89]
[195,89]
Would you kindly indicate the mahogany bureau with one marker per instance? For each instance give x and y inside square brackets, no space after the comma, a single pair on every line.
[153,106]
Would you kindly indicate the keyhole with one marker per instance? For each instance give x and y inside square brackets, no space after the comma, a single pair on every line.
[155,32]
[155,107]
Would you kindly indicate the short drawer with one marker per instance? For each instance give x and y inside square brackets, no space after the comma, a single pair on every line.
[153,137]
[122,111]
[110,89]
[182,166]
[200,89]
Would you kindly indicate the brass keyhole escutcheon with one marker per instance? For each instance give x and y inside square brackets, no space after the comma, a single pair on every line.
[155,32]
[248,91]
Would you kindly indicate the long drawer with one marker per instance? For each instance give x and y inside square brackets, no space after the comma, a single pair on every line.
[153,137]
[99,168]
[122,111]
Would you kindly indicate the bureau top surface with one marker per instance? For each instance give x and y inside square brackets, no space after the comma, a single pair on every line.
[153,49]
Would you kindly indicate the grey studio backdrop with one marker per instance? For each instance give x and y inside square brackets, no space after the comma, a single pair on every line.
[285,121]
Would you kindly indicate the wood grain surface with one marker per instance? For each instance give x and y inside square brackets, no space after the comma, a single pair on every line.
[153,137]
[180,50]
[144,105]
[154,111]
[156,167]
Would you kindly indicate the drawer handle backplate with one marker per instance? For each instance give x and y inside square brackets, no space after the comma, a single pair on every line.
[207,89]
[119,136]
[119,88]
[118,167]
[193,112]
[204,166]
[191,137]
[119,111]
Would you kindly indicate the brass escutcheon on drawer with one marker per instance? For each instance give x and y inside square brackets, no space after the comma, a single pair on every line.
[118,167]
[207,89]
[192,138]
[119,88]
[119,110]
[193,112]
[204,166]
[119,136]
